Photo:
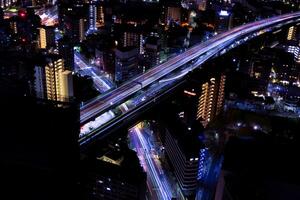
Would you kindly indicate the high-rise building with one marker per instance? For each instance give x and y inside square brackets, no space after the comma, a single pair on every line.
[152,52]
[292,33]
[211,100]
[126,63]
[79,30]
[92,16]
[46,37]
[105,60]
[72,20]
[66,50]
[130,39]
[133,38]
[52,81]
[183,150]
[100,16]
[173,14]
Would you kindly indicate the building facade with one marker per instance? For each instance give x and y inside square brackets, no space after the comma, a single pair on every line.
[52,81]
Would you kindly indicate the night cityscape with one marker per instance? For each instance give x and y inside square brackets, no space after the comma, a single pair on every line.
[150,99]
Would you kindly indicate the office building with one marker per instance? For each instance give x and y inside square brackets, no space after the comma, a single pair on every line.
[74,26]
[211,100]
[46,37]
[66,50]
[52,81]
[105,60]
[152,52]
[73,20]
[224,21]
[126,63]
[92,16]
[132,38]
[183,150]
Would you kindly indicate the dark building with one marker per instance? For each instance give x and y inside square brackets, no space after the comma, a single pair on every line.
[259,167]
[39,151]
[39,145]
[103,47]
[17,68]
[73,20]
[152,52]
[23,27]
[115,175]
[66,50]
[1,16]
[126,63]
[224,21]
[182,147]
[77,30]
[130,35]
[105,60]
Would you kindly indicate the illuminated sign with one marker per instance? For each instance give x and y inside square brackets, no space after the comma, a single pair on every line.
[224,13]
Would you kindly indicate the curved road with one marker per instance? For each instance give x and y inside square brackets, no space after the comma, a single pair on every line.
[212,46]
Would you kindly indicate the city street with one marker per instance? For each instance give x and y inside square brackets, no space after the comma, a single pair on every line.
[157,181]
[48,16]
[101,80]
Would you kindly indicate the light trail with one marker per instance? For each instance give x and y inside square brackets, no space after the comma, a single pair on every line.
[209,47]
[153,169]
[101,85]
[199,53]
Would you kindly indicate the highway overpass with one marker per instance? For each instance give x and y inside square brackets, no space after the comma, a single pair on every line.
[105,112]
